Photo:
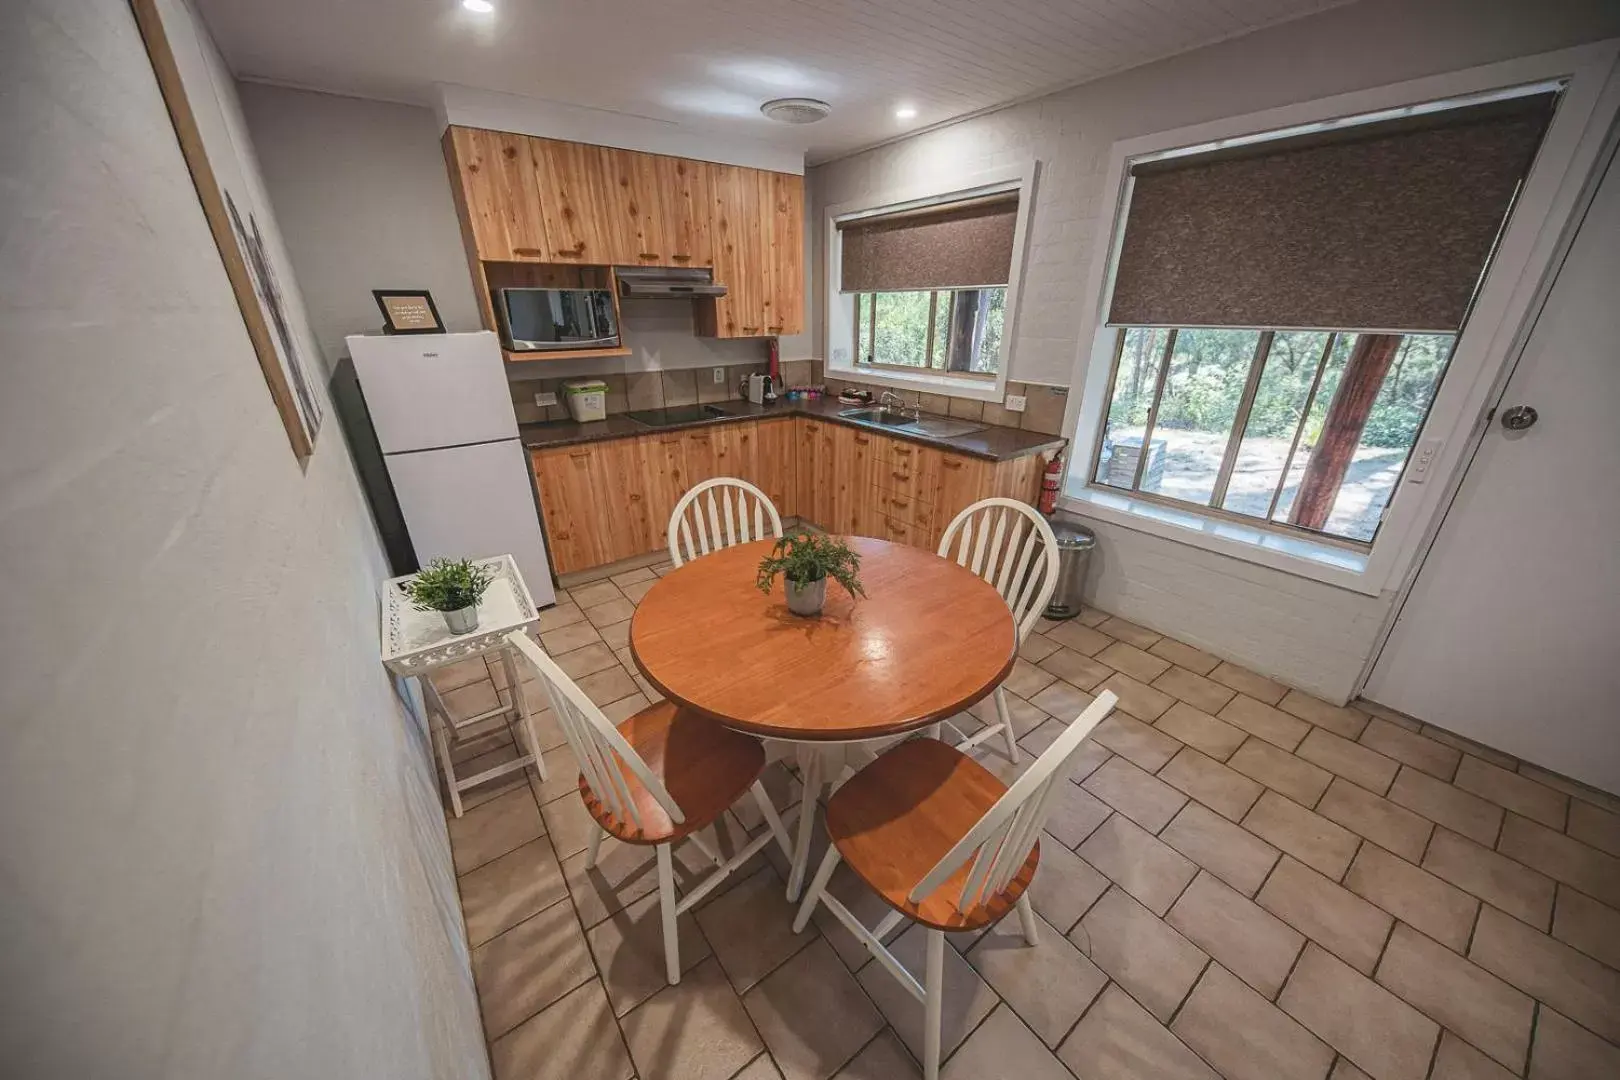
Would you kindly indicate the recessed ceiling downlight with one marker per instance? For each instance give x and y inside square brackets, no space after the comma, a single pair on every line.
[796,110]
[482,7]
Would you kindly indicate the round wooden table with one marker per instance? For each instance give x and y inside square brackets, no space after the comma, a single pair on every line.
[930,639]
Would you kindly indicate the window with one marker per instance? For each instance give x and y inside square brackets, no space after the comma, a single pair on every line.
[946,330]
[1306,429]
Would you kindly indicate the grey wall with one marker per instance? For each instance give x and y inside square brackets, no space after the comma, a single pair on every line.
[223,854]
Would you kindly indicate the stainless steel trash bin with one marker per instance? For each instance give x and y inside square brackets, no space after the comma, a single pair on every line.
[1074,544]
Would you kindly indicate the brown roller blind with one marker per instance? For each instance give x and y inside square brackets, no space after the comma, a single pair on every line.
[961,245]
[1383,226]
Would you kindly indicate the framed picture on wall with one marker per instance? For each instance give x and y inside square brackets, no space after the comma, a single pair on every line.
[200,94]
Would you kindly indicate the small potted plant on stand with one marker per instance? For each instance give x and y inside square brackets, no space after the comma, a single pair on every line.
[806,560]
[452,587]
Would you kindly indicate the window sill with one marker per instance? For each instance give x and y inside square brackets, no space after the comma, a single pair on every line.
[1297,555]
[976,387]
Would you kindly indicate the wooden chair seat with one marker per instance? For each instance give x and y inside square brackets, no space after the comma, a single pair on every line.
[896,818]
[705,767]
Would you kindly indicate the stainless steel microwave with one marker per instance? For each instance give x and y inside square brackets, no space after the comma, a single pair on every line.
[556,320]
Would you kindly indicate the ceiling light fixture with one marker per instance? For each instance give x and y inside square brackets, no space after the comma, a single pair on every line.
[906,112]
[796,110]
[482,7]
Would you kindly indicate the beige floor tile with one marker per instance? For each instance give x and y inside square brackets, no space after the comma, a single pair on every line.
[1452,807]
[1025,717]
[694,1031]
[629,950]
[1065,886]
[587,660]
[1339,719]
[1456,1060]
[600,592]
[479,739]
[614,611]
[1442,911]
[1026,680]
[1384,712]
[1350,760]
[462,672]
[1049,984]
[606,687]
[1003,1047]
[1139,742]
[1517,793]
[1597,827]
[632,577]
[1254,945]
[868,907]
[1224,790]
[1182,655]
[1149,870]
[1328,914]
[1281,771]
[1075,668]
[751,928]
[1602,799]
[1037,647]
[1079,637]
[1376,1030]
[616,636]
[523,970]
[965,999]
[1463,997]
[1549,971]
[506,890]
[1410,748]
[1230,852]
[568,638]
[761,1068]
[1136,697]
[470,700]
[884,1058]
[1493,878]
[564,614]
[1245,1036]
[1201,731]
[1247,682]
[1308,837]
[1140,951]
[812,1013]
[562,780]
[1149,802]
[1580,921]
[1344,1069]
[1264,721]
[1133,661]
[1061,700]
[623,873]
[634,592]
[494,828]
[1469,746]
[574,1039]
[1379,820]
[1129,632]
[1075,814]
[1566,1051]
[1119,1040]
[569,825]
[1592,871]
[1084,760]
[1190,687]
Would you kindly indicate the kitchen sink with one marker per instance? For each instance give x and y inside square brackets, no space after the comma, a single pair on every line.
[878,415]
[938,427]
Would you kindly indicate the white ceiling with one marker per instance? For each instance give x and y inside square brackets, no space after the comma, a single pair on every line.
[710,63]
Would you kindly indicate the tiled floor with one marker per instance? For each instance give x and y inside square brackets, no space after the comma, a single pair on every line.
[1241,881]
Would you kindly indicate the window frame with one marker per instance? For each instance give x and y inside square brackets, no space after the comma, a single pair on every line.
[838,322]
[1481,358]
[870,331]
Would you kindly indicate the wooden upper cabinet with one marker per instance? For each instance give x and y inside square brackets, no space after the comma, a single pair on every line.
[500,193]
[634,209]
[783,196]
[573,202]
[757,228]
[683,187]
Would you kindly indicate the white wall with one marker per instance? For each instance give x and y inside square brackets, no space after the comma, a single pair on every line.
[223,854]
[1310,635]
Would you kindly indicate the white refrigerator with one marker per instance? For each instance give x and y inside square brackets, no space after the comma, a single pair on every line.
[443,418]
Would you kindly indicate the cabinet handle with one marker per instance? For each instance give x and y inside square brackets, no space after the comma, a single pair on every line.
[862,439]
[778,329]
[648,255]
[681,258]
[536,252]
[670,442]
[903,451]
[580,454]
[949,464]
[901,475]
[748,328]
[634,497]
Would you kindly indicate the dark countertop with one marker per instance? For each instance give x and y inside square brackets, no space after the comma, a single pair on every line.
[993,442]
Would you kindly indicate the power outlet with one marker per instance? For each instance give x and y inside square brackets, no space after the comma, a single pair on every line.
[1016,403]
[543,399]
[719,375]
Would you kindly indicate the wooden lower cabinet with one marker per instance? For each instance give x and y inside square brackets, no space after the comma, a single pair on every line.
[611,500]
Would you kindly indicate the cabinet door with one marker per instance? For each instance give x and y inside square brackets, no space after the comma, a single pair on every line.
[737,228]
[683,188]
[495,170]
[634,214]
[910,470]
[663,472]
[775,456]
[783,252]
[569,487]
[572,201]
[621,500]
[736,449]
[817,471]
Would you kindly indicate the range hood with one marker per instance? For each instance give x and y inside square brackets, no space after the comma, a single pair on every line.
[667,282]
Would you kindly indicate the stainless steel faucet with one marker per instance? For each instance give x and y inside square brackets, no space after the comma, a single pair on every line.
[890,395]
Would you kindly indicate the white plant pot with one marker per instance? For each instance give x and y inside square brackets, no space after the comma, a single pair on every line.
[805,599]
[461,621]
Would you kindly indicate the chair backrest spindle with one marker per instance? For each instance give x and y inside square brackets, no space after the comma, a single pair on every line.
[718,514]
[1010,545]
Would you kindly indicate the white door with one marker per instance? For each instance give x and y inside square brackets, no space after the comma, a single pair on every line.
[473,502]
[1511,634]
[428,390]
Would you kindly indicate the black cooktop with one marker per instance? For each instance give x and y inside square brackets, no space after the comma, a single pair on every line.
[676,415]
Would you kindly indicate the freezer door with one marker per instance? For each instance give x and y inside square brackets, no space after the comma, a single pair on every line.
[434,390]
[474,502]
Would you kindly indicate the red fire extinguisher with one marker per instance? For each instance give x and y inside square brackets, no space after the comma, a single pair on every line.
[1051,482]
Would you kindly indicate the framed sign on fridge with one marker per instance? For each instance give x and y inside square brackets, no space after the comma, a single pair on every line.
[200,94]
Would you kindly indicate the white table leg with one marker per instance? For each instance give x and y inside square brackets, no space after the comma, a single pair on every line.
[441,726]
[520,710]
[811,765]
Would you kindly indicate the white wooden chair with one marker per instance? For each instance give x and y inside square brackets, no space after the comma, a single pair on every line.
[1010,545]
[656,779]
[945,844]
[717,514]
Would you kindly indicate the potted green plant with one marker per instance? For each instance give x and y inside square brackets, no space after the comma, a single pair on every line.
[806,560]
[452,587]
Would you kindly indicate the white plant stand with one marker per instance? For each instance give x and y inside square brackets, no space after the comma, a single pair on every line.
[415,643]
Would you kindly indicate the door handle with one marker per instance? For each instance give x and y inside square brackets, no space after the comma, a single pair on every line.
[1519,418]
